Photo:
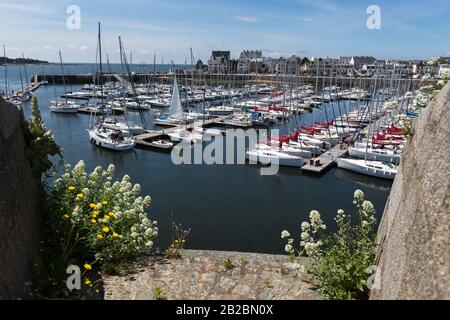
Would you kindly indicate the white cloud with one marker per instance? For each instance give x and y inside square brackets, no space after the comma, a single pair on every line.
[247,18]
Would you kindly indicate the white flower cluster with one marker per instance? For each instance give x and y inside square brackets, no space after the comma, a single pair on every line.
[309,230]
[366,210]
[444,74]
[390,106]
[119,207]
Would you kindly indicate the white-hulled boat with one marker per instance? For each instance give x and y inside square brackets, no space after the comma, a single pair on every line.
[159,102]
[313,141]
[115,124]
[175,114]
[315,150]
[165,144]
[237,121]
[269,156]
[220,110]
[371,168]
[384,155]
[63,107]
[111,139]
[286,148]
[207,131]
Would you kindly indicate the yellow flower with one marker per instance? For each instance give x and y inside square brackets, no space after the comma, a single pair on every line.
[99,237]
[93,206]
[106,217]
[105,202]
[93,221]
[71,188]
[176,241]
[87,266]
[65,217]
[94,214]
[115,235]
[111,214]
[97,291]
[105,229]
[183,241]
[80,196]
[87,282]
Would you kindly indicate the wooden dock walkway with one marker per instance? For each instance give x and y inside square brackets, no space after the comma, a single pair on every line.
[325,161]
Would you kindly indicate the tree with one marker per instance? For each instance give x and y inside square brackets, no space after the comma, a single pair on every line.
[305,60]
[199,65]
[41,141]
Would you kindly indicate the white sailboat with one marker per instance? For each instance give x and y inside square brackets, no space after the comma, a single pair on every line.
[175,114]
[112,137]
[372,168]
[386,155]
[63,107]
[66,106]
[265,155]
[292,150]
[115,124]
[118,140]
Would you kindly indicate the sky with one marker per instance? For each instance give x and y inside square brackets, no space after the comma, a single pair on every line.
[410,29]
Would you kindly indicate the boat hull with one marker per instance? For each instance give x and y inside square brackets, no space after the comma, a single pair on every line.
[98,141]
[359,166]
[262,158]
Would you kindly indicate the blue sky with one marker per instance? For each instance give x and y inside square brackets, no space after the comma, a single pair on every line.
[409,28]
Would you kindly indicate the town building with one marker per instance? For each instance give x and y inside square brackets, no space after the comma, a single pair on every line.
[250,62]
[219,62]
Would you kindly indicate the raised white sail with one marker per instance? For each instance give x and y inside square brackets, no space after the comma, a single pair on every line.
[176,110]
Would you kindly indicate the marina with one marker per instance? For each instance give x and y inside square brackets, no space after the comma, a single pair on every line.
[317,127]
[220,150]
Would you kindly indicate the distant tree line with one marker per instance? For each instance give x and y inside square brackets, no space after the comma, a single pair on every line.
[7,60]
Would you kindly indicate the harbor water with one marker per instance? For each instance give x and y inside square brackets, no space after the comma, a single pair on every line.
[227,207]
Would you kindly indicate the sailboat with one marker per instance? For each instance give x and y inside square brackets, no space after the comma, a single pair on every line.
[372,168]
[106,137]
[372,160]
[65,106]
[175,115]
[266,155]
[379,154]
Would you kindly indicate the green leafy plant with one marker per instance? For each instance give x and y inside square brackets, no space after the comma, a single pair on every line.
[228,264]
[158,293]
[178,242]
[340,261]
[41,141]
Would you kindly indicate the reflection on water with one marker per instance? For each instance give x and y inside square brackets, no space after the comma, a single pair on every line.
[364,181]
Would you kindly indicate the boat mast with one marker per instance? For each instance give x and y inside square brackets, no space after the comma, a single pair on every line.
[54,87]
[101,68]
[21,80]
[6,72]
[374,99]
[25,69]
[64,80]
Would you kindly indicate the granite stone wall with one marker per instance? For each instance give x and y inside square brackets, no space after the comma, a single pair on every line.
[19,199]
[414,231]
